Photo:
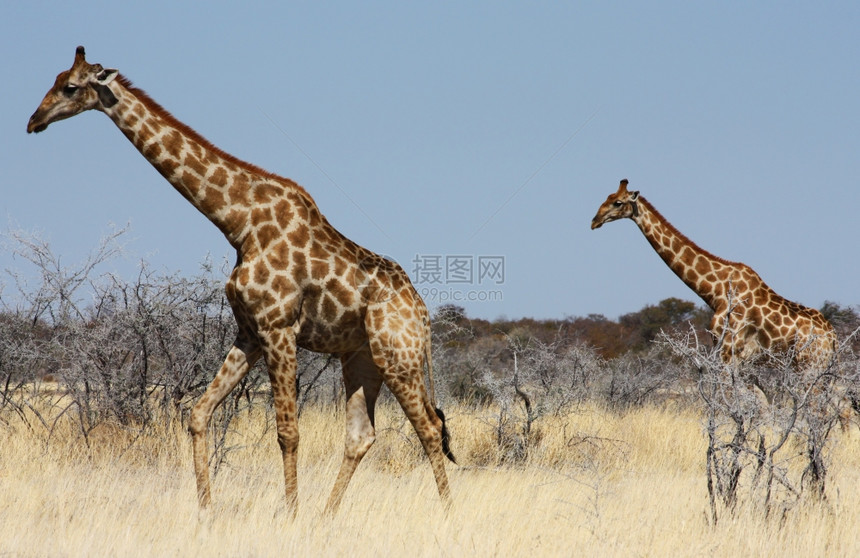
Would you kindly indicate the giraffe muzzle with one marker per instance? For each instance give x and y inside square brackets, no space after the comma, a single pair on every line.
[34,125]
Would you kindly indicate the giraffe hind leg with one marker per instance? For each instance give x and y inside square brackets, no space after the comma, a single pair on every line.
[362,383]
[408,389]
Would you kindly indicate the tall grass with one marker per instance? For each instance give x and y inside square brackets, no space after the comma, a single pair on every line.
[593,483]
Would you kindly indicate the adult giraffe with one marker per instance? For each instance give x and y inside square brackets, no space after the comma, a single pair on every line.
[297,282]
[749,316]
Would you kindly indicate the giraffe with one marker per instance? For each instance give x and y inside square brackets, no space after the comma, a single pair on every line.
[749,316]
[297,282]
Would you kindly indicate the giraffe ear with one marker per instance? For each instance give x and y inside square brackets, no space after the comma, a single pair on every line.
[634,195]
[104,77]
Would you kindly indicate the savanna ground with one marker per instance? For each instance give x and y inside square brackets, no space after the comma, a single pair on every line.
[597,482]
[581,436]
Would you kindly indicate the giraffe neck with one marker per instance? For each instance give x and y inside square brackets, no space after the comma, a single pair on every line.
[700,270]
[217,184]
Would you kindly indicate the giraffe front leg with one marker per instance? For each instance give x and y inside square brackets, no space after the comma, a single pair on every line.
[235,367]
[280,351]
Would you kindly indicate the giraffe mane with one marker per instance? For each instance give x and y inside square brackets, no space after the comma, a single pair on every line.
[187,130]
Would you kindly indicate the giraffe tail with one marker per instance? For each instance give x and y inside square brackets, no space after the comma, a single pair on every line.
[446,437]
[428,359]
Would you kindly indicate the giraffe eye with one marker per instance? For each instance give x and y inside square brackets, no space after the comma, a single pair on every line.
[70,90]
[618,203]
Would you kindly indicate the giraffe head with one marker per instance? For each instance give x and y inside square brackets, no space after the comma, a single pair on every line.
[620,205]
[82,87]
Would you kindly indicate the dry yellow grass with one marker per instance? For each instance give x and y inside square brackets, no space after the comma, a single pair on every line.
[598,484]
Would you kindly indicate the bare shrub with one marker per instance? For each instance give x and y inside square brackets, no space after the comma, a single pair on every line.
[541,379]
[23,360]
[459,359]
[768,424]
[637,378]
[128,352]
[54,308]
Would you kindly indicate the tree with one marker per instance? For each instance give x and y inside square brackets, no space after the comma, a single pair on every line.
[846,322]
[668,315]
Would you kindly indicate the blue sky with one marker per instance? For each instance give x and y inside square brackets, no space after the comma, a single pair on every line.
[449,132]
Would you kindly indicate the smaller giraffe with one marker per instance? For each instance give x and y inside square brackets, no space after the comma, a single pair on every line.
[748,315]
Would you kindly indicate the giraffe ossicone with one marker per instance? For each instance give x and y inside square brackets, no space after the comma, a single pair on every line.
[749,317]
[297,282]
